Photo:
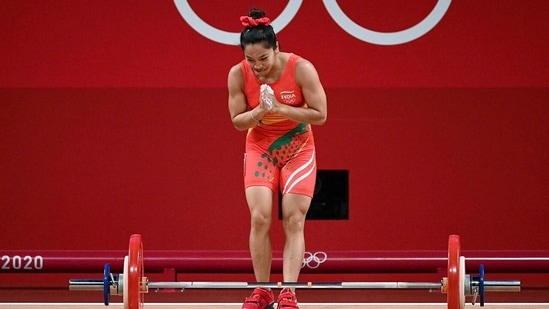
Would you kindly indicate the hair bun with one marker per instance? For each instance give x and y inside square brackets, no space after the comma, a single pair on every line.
[256,13]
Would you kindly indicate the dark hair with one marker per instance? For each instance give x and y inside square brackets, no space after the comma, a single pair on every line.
[259,33]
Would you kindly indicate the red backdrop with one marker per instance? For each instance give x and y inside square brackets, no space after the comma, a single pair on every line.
[113,121]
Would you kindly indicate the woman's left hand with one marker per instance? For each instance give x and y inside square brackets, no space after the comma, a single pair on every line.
[269,102]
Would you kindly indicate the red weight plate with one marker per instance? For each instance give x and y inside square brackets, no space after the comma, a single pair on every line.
[453,297]
[141,277]
[135,273]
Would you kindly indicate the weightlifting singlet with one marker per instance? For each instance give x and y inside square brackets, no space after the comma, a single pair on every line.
[280,154]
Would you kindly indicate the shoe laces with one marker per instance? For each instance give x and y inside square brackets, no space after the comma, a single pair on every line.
[287,296]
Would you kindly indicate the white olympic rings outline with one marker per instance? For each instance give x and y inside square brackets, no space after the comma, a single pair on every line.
[340,18]
[313,260]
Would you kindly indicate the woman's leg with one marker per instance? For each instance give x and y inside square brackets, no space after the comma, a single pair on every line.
[294,210]
[260,203]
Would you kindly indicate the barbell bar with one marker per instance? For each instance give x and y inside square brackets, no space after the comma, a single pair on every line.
[132,284]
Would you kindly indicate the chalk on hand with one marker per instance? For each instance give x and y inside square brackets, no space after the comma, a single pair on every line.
[266,89]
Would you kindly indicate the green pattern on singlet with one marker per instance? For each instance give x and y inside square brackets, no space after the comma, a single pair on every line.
[285,147]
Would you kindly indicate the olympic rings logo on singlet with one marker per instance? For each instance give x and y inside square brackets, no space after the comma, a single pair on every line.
[313,260]
[337,14]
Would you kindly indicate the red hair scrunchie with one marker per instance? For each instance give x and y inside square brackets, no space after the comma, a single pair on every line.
[248,21]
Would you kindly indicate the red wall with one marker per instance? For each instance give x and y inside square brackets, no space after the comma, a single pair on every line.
[113,121]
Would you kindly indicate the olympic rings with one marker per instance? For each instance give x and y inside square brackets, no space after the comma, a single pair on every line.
[231,38]
[334,10]
[313,260]
[387,38]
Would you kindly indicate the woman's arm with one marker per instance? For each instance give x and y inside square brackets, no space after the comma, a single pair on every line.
[242,118]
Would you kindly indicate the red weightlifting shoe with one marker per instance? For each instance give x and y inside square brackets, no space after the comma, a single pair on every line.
[260,299]
[287,300]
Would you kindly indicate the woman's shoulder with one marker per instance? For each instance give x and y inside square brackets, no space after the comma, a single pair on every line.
[304,70]
[303,64]
[236,74]
[236,69]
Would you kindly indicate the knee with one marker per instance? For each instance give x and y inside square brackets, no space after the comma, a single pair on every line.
[261,222]
[294,223]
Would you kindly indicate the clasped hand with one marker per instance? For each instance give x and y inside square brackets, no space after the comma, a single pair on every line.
[267,100]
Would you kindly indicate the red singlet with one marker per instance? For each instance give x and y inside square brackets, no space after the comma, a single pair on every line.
[280,152]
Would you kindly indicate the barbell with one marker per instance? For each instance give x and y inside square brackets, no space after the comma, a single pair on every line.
[132,285]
